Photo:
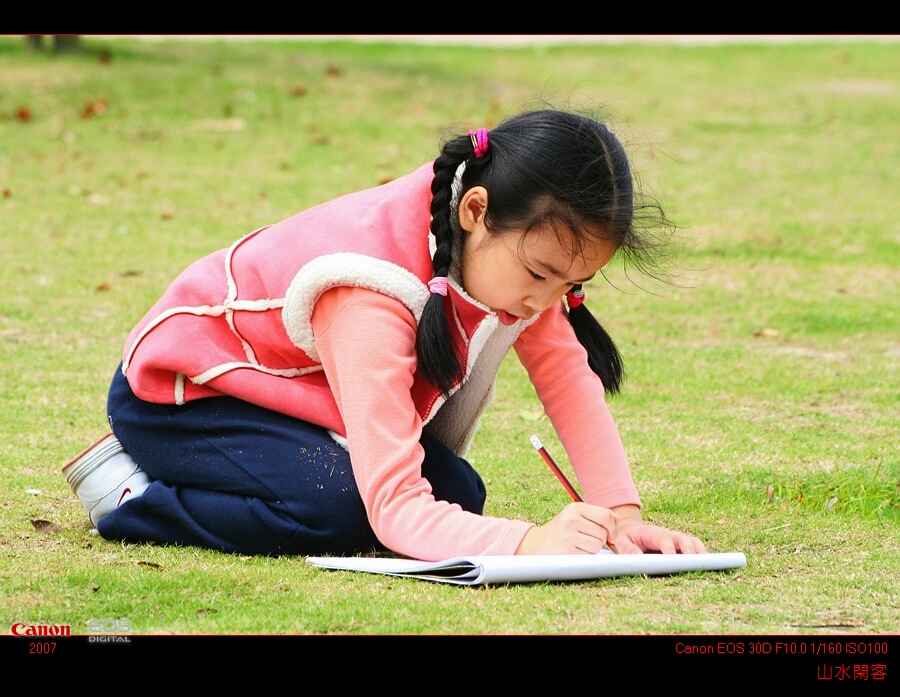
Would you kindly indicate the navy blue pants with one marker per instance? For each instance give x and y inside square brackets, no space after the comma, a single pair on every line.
[232,476]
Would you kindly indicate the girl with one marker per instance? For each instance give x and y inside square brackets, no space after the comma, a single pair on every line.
[314,388]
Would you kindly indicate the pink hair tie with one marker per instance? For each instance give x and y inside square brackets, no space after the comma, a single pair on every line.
[438,285]
[479,141]
[575,298]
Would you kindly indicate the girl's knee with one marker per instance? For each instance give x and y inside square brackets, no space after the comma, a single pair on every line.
[452,478]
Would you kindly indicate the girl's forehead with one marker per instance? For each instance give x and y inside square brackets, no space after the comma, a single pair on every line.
[563,243]
[563,253]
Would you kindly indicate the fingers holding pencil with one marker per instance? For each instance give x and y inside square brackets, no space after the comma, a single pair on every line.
[580,528]
[594,527]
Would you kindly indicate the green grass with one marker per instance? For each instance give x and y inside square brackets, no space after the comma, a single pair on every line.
[762,406]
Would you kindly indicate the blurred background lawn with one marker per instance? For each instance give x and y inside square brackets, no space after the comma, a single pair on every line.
[761,407]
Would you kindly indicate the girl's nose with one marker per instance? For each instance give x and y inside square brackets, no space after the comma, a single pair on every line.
[539,303]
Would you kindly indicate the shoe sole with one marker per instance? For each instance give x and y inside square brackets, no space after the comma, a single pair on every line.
[81,465]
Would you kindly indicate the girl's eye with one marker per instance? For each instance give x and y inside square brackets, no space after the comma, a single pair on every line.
[536,276]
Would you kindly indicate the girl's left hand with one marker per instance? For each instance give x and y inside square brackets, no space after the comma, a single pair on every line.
[634,536]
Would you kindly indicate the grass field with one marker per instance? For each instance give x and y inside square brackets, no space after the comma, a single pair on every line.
[762,406]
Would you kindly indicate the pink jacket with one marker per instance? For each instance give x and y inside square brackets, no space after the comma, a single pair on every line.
[237,322]
[252,322]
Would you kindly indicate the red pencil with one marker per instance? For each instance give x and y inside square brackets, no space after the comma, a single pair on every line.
[536,442]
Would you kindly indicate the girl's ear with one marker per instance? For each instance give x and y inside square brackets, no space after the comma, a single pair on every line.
[472,208]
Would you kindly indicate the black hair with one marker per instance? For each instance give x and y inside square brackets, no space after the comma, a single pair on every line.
[544,167]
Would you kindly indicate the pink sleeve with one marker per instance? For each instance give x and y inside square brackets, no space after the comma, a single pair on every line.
[573,398]
[366,342]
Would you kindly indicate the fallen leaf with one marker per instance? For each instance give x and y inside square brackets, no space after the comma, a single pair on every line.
[95,108]
[219,125]
[767,333]
[770,492]
[531,415]
[45,526]
[152,565]
[833,500]
[99,200]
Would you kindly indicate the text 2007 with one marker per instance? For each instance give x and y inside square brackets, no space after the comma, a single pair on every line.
[44,647]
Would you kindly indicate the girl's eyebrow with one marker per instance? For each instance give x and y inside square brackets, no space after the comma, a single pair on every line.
[556,272]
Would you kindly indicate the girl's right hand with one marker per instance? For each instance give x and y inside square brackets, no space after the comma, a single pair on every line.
[579,528]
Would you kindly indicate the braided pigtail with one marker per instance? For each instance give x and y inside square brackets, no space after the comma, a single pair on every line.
[603,354]
[439,362]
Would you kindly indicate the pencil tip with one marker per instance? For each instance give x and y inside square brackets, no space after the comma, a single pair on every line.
[536,442]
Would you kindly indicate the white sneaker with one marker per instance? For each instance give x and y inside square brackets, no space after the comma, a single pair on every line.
[104,476]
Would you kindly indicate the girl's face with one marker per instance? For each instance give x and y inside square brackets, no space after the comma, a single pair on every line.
[518,275]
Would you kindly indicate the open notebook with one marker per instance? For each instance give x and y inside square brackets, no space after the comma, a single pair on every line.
[487,570]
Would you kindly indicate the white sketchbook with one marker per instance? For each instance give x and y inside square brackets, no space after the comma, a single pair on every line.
[493,570]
